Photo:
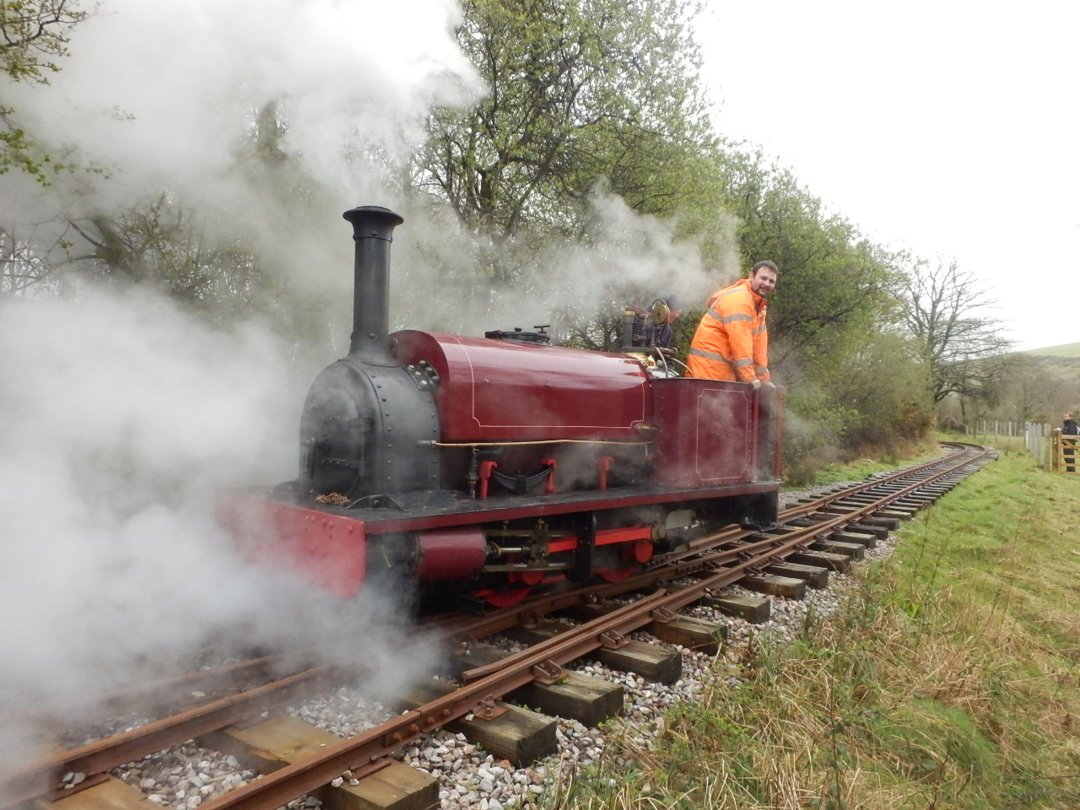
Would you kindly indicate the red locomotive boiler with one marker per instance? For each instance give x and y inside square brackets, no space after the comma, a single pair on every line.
[486,466]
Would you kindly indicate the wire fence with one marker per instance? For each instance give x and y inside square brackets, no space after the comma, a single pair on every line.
[1052,449]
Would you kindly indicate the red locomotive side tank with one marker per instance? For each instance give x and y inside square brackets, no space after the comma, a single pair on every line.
[497,390]
[708,433]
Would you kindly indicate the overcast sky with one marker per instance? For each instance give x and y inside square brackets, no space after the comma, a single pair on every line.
[947,128]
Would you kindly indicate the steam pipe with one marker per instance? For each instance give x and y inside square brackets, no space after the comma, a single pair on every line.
[373,228]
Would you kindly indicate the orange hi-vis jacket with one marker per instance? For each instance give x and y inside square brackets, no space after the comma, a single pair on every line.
[731,342]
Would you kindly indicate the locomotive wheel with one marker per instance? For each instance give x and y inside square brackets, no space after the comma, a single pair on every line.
[632,558]
[617,574]
[507,597]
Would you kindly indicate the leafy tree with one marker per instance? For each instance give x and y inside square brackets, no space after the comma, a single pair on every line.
[35,34]
[160,243]
[880,390]
[579,91]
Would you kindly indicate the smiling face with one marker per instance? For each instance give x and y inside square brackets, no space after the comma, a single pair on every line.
[763,281]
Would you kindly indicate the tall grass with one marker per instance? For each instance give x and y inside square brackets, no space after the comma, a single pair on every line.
[949,679]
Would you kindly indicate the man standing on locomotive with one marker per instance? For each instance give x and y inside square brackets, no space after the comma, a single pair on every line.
[732,342]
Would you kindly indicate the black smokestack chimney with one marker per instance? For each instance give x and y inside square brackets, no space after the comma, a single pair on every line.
[373,228]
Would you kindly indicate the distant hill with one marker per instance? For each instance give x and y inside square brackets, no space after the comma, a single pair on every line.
[1064,350]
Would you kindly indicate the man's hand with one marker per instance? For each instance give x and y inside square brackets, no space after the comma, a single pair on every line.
[756,384]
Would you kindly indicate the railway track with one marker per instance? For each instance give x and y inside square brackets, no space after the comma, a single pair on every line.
[813,538]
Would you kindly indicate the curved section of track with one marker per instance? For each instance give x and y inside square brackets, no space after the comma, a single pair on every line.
[669,584]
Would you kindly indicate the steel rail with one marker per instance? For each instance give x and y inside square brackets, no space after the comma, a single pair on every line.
[102,755]
[497,680]
[715,566]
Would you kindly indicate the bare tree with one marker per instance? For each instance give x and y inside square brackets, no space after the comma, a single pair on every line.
[33,257]
[963,352]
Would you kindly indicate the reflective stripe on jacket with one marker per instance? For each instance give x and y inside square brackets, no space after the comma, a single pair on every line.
[731,342]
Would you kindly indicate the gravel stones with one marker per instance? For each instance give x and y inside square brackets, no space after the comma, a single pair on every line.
[185,776]
[472,778]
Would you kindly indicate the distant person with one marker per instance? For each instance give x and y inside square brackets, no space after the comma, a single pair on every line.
[731,342]
[664,315]
[1068,450]
[651,328]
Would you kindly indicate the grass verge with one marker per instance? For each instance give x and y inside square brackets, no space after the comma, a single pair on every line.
[949,679]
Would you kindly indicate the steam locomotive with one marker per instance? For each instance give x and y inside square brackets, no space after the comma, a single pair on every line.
[481,468]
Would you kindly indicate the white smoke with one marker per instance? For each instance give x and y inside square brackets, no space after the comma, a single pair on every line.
[123,419]
[157,94]
[625,251]
[121,415]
